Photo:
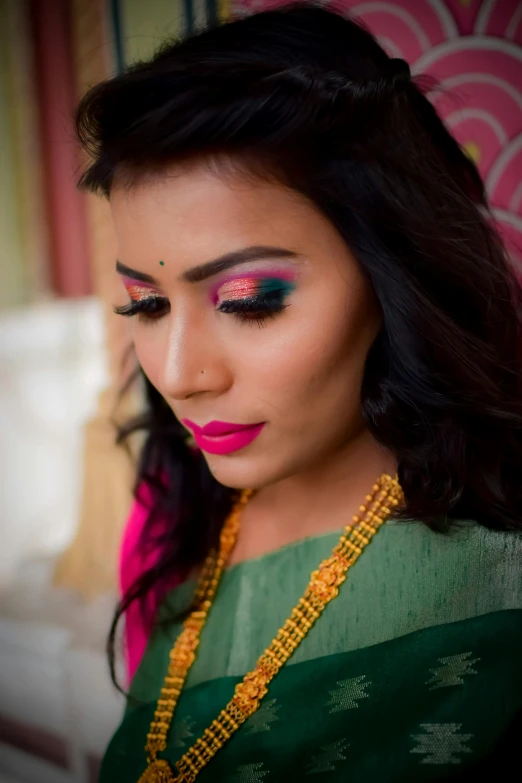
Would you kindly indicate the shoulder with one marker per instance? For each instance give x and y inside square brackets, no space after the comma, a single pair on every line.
[465,535]
[483,567]
[412,579]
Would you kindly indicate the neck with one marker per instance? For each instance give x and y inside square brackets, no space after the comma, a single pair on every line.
[320,500]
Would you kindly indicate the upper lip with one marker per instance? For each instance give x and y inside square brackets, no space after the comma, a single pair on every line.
[216,428]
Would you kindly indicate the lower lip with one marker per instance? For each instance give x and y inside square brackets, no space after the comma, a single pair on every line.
[226,444]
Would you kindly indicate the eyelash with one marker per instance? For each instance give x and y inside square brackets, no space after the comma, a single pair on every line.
[253,310]
[146,309]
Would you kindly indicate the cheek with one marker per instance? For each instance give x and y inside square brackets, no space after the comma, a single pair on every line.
[149,346]
[316,361]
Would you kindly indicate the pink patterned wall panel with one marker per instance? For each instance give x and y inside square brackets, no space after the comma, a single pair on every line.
[474,49]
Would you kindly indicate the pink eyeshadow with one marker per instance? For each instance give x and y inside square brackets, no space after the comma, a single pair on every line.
[138,290]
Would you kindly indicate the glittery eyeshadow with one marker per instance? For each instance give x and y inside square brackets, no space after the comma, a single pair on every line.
[256,284]
[238,289]
[139,291]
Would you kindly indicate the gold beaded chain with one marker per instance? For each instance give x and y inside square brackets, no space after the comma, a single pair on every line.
[322,588]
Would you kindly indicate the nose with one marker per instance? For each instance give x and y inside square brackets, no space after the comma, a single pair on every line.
[194,362]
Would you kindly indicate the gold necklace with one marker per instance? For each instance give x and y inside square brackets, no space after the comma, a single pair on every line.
[323,586]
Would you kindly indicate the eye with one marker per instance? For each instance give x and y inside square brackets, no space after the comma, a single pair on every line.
[255,308]
[254,299]
[150,309]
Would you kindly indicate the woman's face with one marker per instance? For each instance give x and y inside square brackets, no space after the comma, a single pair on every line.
[275,332]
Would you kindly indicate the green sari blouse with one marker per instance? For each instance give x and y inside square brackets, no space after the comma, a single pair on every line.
[412,673]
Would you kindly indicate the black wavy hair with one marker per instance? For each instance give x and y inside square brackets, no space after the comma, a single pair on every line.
[309,97]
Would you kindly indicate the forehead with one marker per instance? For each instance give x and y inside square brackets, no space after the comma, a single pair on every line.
[198,212]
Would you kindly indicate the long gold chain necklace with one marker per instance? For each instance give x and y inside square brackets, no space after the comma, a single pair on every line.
[323,586]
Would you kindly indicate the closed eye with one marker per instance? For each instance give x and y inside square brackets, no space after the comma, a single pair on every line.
[150,309]
[255,308]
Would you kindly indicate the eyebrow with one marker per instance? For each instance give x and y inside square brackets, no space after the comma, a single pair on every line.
[197,274]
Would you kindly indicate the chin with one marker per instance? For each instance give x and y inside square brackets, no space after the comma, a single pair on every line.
[242,472]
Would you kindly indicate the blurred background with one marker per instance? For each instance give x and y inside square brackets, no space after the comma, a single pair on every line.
[66,486]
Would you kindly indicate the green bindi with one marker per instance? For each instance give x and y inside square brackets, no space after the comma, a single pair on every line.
[162,263]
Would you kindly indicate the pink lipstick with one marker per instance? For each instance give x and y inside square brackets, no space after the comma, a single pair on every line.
[221,437]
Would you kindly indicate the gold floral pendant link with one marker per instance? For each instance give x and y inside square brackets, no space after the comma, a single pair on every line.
[159,771]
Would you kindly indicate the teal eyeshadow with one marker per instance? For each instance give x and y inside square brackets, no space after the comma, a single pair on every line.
[269,285]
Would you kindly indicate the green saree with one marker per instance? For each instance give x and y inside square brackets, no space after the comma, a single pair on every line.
[413,673]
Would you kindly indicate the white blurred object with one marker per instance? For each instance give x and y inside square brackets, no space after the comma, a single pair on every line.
[52,368]
[54,681]
[54,677]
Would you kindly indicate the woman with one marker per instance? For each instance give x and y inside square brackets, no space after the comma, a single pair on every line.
[321,307]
